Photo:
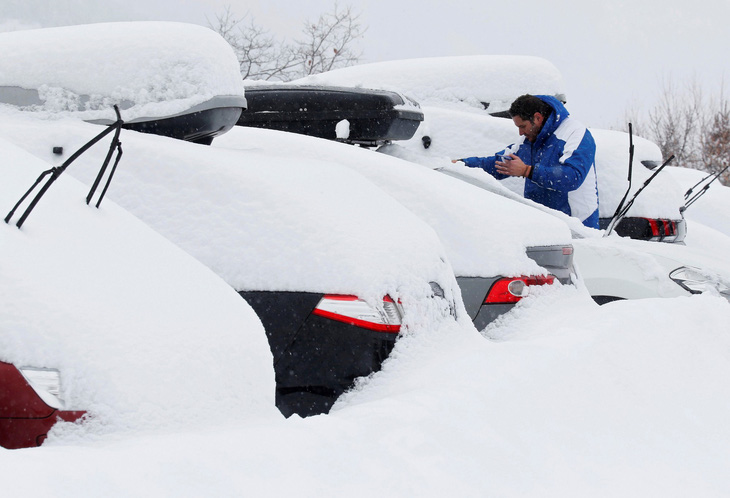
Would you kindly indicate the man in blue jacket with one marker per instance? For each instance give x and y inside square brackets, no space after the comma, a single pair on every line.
[556,156]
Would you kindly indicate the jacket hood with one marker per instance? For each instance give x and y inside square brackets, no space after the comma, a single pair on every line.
[559,114]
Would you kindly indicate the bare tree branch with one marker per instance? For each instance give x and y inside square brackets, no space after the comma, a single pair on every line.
[326,44]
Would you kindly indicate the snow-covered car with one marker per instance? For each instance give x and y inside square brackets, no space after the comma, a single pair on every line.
[463,100]
[614,268]
[332,264]
[174,79]
[655,212]
[353,115]
[498,248]
[99,315]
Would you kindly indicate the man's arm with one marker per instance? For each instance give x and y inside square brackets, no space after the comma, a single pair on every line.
[578,156]
[485,163]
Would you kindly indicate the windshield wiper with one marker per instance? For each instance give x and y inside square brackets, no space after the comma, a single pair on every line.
[622,209]
[53,173]
[614,220]
[626,208]
[691,200]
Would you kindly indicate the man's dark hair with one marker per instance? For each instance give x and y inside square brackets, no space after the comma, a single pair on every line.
[525,107]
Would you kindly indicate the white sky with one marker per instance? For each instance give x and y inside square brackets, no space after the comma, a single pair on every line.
[613,55]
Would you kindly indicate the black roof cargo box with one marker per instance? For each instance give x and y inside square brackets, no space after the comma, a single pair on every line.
[374,116]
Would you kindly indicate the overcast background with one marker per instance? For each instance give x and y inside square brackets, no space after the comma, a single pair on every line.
[614,55]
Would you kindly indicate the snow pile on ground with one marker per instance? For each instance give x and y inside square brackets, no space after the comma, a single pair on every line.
[484,234]
[467,81]
[560,398]
[261,222]
[150,69]
[144,336]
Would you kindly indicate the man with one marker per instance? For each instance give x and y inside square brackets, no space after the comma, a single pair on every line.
[556,156]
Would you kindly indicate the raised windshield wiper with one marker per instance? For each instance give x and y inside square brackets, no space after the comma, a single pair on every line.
[53,173]
[614,218]
[691,200]
[622,209]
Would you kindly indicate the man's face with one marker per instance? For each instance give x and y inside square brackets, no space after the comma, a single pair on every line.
[529,128]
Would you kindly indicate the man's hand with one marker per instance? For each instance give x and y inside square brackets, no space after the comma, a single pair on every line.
[512,167]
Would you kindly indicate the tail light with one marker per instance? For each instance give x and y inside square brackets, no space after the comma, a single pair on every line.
[46,382]
[512,289]
[662,229]
[354,311]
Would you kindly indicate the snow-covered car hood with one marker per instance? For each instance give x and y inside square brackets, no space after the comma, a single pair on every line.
[261,222]
[149,69]
[476,81]
[143,335]
[484,234]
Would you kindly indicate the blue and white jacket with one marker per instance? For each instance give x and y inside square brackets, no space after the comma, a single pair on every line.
[563,175]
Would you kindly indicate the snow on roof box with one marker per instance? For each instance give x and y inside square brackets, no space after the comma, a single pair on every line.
[482,81]
[154,71]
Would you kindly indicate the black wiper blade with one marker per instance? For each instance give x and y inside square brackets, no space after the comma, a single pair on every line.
[705,188]
[628,205]
[53,173]
[614,218]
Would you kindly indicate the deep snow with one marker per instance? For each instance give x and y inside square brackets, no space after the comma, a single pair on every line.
[558,398]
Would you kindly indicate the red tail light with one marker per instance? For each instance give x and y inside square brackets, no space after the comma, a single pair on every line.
[354,311]
[512,289]
[661,228]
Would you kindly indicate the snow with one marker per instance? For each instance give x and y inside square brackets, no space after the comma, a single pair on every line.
[560,397]
[150,69]
[342,129]
[451,207]
[463,81]
[135,325]
[259,221]
[564,398]
[662,198]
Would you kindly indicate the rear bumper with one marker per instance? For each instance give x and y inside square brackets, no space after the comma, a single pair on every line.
[16,433]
